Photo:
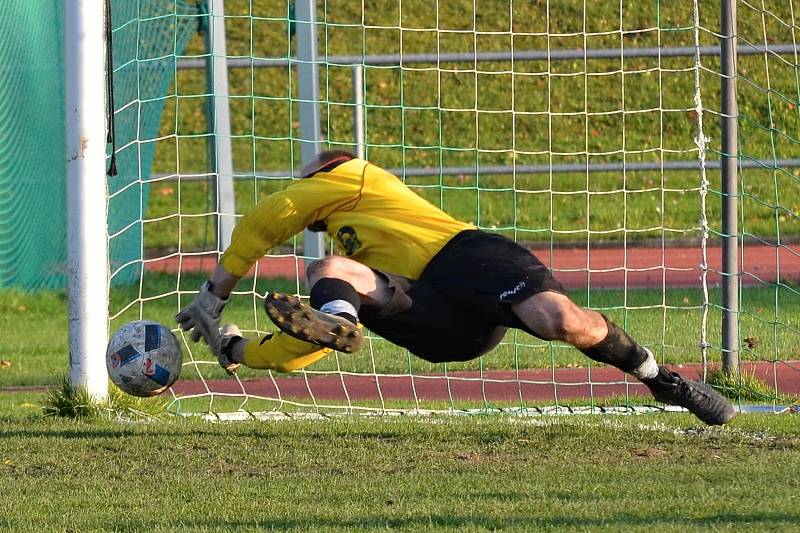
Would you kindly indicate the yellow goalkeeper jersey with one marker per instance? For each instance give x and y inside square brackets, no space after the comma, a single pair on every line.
[371,215]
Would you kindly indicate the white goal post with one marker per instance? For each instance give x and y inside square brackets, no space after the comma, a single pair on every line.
[87,238]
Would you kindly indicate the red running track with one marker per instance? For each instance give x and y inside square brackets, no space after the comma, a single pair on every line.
[634,267]
[507,386]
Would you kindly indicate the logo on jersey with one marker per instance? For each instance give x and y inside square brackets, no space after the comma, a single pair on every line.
[348,239]
[511,292]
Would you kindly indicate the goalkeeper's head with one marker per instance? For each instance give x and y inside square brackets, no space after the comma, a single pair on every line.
[325,162]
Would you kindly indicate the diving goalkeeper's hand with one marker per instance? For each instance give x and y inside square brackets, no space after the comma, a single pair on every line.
[202,317]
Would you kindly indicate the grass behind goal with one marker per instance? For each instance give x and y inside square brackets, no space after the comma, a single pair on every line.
[543,113]
[451,114]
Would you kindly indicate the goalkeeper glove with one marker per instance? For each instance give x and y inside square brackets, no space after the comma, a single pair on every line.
[202,317]
[230,335]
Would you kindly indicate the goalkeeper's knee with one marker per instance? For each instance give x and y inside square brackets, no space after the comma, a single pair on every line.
[282,353]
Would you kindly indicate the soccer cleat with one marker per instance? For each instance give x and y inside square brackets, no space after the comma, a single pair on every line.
[700,399]
[303,322]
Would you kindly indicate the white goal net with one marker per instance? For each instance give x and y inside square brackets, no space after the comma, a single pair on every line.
[590,132]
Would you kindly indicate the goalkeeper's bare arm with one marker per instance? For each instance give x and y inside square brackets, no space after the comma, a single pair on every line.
[411,273]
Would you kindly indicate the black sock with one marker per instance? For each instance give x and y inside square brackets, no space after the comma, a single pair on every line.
[335,296]
[617,349]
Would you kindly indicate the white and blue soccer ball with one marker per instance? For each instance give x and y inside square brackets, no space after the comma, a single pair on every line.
[144,358]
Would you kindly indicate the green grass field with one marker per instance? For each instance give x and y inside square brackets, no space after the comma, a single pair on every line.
[580,473]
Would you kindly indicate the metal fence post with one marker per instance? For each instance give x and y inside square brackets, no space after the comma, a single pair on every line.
[218,118]
[358,110]
[730,189]
[308,93]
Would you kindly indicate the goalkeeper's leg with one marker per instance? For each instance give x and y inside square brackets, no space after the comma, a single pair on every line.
[553,316]
[338,288]
[276,351]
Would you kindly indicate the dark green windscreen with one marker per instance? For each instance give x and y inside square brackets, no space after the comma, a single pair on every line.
[148,34]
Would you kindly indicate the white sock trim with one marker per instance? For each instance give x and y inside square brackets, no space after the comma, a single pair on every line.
[335,307]
[648,369]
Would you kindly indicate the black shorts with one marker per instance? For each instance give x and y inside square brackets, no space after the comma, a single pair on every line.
[460,307]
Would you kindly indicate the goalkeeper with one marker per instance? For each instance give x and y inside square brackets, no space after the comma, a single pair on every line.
[414,275]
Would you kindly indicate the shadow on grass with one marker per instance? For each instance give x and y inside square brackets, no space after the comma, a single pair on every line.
[622,520]
[72,434]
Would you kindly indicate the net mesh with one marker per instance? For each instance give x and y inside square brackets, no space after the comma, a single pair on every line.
[768,84]
[148,37]
[572,127]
